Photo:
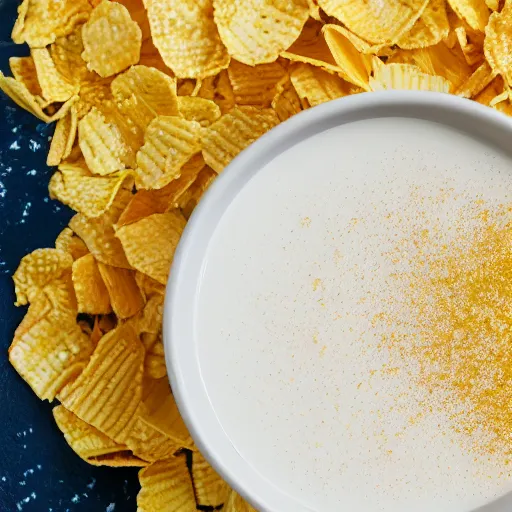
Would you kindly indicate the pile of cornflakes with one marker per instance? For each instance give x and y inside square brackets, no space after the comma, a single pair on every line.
[152,99]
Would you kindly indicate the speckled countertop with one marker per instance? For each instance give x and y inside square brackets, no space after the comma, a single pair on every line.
[38,470]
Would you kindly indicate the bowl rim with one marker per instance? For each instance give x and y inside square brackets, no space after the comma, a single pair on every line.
[183,286]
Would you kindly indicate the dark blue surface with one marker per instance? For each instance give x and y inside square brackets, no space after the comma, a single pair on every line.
[38,470]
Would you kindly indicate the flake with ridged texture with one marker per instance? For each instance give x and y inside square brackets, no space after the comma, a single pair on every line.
[19,93]
[474,12]
[431,28]
[286,102]
[202,111]
[354,66]
[376,21]
[54,87]
[98,233]
[210,489]
[38,269]
[187,37]
[40,22]
[315,86]
[166,485]
[255,85]
[63,138]
[498,42]
[86,193]
[169,143]
[92,445]
[49,349]
[311,48]
[125,296]
[258,32]
[103,145]
[154,88]
[150,243]
[112,40]
[90,290]
[233,132]
[407,77]
[109,390]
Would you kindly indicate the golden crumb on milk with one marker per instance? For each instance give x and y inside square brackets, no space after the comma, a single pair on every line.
[458,334]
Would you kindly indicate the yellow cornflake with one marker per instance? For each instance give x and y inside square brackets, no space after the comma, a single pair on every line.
[40,22]
[311,48]
[161,412]
[108,391]
[170,142]
[147,202]
[154,364]
[67,242]
[24,71]
[90,290]
[219,90]
[286,102]
[150,243]
[471,44]
[38,269]
[494,89]
[189,200]
[477,82]
[143,204]
[202,111]
[361,45]
[148,443]
[49,349]
[111,39]
[94,94]
[63,138]
[258,32]
[474,12]
[66,54]
[19,93]
[187,37]
[406,76]
[255,85]
[210,489]
[314,10]
[440,60]
[315,86]
[136,117]
[166,485]
[84,192]
[124,293]
[149,320]
[150,56]
[233,132]
[92,445]
[54,87]
[431,28]
[138,13]
[355,67]
[153,88]
[498,41]
[132,134]
[98,233]
[375,21]
[102,143]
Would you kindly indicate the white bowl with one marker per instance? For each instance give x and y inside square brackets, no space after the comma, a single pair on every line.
[266,380]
